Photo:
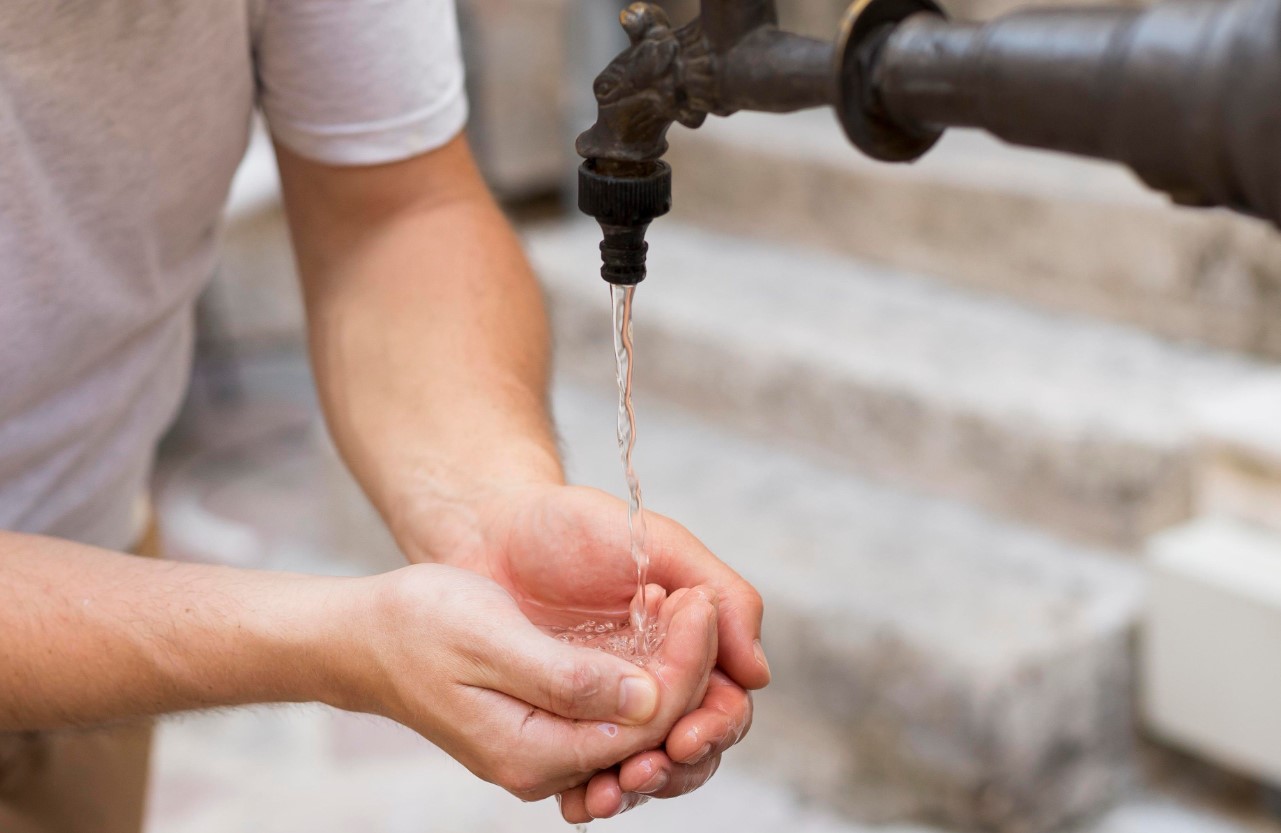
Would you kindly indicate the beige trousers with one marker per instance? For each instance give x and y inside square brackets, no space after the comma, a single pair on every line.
[77,781]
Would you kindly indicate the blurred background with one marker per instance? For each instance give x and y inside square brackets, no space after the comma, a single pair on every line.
[997,436]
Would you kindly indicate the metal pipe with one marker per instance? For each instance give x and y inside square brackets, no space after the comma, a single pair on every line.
[1186,93]
[725,22]
[732,57]
[778,72]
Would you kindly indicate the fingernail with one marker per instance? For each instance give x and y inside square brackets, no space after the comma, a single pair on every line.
[706,594]
[656,783]
[759,650]
[702,753]
[637,699]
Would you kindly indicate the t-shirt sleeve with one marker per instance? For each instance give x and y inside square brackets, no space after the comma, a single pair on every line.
[360,82]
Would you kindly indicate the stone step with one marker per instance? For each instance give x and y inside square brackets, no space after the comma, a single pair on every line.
[323,771]
[930,662]
[1067,233]
[1076,425]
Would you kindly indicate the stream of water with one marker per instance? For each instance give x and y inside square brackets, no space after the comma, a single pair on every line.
[614,636]
[636,637]
[623,297]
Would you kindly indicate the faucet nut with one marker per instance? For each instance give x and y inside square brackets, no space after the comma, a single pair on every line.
[625,199]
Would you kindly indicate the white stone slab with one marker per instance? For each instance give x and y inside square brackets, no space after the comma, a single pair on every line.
[1211,653]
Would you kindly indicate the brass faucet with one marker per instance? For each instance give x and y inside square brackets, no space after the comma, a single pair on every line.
[1186,93]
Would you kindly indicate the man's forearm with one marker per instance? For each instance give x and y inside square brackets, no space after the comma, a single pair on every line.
[429,337]
[89,636]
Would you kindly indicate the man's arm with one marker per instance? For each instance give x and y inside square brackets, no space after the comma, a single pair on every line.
[428,337]
[429,342]
[89,636]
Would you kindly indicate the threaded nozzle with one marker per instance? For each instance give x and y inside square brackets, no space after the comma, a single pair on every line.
[624,203]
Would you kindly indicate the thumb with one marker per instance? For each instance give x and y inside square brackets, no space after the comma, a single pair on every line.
[571,681]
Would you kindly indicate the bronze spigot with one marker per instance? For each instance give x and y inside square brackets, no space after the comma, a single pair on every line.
[732,57]
[1186,93]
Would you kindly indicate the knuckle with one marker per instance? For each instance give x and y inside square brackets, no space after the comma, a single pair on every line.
[574,686]
[523,783]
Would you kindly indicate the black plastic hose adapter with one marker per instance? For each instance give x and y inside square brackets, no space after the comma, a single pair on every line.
[624,201]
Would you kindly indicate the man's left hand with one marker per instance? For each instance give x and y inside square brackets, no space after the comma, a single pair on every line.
[563,548]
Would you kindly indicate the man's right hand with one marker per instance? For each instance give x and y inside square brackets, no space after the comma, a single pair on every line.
[449,654]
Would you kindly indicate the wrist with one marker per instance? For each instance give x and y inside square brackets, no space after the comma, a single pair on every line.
[441,509]
[331,633]
[363,659]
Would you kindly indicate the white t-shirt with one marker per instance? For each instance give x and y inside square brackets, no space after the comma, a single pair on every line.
[121,125]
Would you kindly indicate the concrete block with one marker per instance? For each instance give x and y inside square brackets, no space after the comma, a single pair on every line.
[1068,234]
[1210,657]
[517,77]
[1078,426]
[1239,468]
[930,662]
[255,299]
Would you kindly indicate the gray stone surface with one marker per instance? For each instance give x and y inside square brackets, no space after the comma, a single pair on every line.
[1079,426]
[930,662]
[1239,465]
[317,770]
[1066,233]
[312,769]
[255,299]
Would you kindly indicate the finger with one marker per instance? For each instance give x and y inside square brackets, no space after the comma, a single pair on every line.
[682,666]
[655,603]
[568,680]
[573,805]
[721,720]
[686,779]
[654,774]
[646,774]
[566,752]
[604,798]
[680,560]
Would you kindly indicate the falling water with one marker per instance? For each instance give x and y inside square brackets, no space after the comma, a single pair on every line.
[623,355]
[636,637]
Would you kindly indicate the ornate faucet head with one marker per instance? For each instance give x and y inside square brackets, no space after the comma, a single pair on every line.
[663,77]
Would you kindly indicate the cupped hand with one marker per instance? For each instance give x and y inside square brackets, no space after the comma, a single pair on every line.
[560,548]
[451,655]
